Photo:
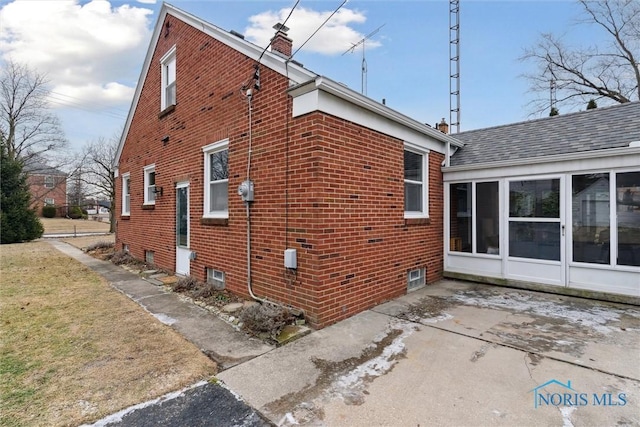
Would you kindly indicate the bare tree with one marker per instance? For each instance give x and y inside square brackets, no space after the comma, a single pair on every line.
[610,73]
[27,126]
[95,168]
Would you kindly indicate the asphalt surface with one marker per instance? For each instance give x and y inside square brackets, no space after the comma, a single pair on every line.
[206,404]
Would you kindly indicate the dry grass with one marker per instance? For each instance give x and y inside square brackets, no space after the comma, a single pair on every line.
[66,225]
[73,350]
[86,241]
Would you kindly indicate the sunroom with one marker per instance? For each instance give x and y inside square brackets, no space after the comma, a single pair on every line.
[537,210]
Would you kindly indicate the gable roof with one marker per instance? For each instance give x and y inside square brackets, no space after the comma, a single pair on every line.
[294,71]
[38,168]
[591,130]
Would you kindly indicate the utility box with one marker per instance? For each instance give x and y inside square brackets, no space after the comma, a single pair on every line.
[290,258]
[245,190]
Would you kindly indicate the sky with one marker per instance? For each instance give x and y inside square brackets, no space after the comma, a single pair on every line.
[92,51]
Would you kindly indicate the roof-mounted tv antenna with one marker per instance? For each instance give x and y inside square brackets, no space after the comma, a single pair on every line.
[364,61]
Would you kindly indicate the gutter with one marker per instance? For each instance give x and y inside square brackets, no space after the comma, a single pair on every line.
[581,155]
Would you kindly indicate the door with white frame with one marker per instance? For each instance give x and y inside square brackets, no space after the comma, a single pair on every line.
[183,253]
[536,230]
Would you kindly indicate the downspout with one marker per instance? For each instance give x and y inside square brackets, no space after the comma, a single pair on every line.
[447,159]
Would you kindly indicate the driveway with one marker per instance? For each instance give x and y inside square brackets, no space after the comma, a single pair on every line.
[456,353]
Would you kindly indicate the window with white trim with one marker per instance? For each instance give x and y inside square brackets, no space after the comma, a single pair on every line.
[216,180]
[49,201]
[126,193]
[416,199]
[48,181]
[168,66]
[150,185]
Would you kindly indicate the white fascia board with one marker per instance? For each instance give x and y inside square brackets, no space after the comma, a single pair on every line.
[626,157]
[324,95]
[271,60]
[294,72]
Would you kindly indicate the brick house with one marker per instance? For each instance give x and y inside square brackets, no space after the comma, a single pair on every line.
[47,185]
[347,194]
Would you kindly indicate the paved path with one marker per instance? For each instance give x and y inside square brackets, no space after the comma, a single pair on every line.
[457,354]
[202,405]
[450,354]
[216,338]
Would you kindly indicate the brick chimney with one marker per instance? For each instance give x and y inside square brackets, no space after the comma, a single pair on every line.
[280,43]
[443,126]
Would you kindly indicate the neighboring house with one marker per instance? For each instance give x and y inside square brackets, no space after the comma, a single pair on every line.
[47,185]
[554,201]
[98,207]
[347,206]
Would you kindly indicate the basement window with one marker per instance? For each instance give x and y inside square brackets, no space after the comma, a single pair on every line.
[215,278]
[415,279]
[148,257]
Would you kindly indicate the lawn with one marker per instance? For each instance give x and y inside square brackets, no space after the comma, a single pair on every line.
[73,350]
[66,225]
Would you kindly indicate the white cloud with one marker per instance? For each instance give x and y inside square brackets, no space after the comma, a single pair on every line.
[334,38]
[90,51]
[111,93]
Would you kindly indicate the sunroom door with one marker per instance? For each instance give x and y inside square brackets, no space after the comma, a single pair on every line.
[183,253]
[536,230]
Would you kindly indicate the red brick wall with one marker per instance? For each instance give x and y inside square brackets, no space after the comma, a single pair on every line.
[39,192]
[343,184]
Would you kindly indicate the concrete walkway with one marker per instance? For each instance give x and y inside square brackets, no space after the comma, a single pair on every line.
[450,354]
[216,338]
[457,354]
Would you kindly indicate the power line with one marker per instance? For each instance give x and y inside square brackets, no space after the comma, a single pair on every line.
[59,99]
[48,93]
[318,29]
[81,107]
[283,24]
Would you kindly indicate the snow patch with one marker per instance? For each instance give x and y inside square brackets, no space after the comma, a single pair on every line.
[350,386]
[594,317]
[288,419]
[441,318]
[566,416]
[167,320]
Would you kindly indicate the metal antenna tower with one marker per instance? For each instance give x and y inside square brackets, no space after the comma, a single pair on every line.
[364,61]
[454,65]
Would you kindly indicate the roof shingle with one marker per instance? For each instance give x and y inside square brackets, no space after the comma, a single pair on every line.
[598,129]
